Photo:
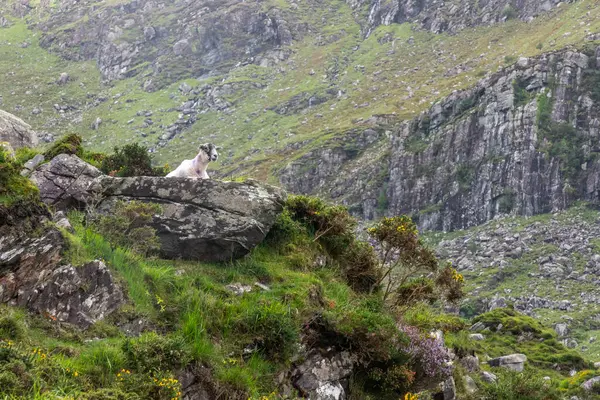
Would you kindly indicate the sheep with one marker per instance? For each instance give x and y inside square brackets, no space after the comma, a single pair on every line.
[196,168]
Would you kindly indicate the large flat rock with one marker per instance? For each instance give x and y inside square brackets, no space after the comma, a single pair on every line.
[205,220]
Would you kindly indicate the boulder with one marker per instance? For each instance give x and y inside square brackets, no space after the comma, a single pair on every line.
[448,389]
[561,330]
[470,385]
[488,377]
[205,220]
[476,336]
[514,362]
[16,132]
[64,181]
[324,377]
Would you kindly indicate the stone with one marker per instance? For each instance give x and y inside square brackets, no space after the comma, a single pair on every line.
[513,362]
[62,222]
[16,132]
[448,389]
[96,124]
[561,330]
[238,289]
[63,79]
[488,377]
[205,219]
[182,48]
[589,384]
[476,336]
[470,363]
[470,385]
[32,164]
[597,364]
[324,377]
[570,343]
[477,326]
[64,182]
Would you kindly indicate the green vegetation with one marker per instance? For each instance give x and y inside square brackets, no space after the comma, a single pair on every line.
[131,160]
[14,188]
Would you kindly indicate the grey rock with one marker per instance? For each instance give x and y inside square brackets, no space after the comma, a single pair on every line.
[561,330]
[32,164]
[63,79]
[96,124]
[64,181]
[470,385]
[477,326]
[570,343]
[16,132]
[31,275]
[238,288]
[324,377]
[206,219]
[514,362]
[448,389]
[470,363]
[476,336]
[589,384]
[488,377]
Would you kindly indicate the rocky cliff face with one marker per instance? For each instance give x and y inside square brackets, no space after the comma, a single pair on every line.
[522,141]
[177,38]
[16,132]
[440,16]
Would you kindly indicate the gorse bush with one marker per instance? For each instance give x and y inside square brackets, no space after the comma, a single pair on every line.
[404,261]
[131,160]
[128,226]
[154,353]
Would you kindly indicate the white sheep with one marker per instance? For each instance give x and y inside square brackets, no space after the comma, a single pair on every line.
[196,168]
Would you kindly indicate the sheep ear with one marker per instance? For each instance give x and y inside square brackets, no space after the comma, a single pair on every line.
[204,147]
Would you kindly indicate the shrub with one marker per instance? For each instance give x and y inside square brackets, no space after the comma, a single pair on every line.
[520,94]
[68,144]
[404,259]
[509,12]
[152,353]
[131,160]
[14,187]
[11,327]
[519,385]
[273,328]
[511,321]
[429,356]
[128,226]
[360,267]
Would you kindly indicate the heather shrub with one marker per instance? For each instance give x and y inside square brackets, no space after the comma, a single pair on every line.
[428,355]
[131,160]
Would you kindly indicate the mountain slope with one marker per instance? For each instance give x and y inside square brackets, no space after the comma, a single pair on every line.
[283,81]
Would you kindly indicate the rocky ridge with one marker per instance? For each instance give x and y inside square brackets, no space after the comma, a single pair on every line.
[477,154]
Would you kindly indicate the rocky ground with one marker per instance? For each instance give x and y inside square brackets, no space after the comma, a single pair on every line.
[546,266]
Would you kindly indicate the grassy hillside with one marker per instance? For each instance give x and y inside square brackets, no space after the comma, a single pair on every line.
[398,70]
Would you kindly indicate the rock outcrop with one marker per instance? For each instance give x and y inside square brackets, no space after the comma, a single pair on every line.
[16,132]
[515,362]
[31,274]
[64,181]
[440,16]
[204,220]
[491,150]
[324,377]
[206,37]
